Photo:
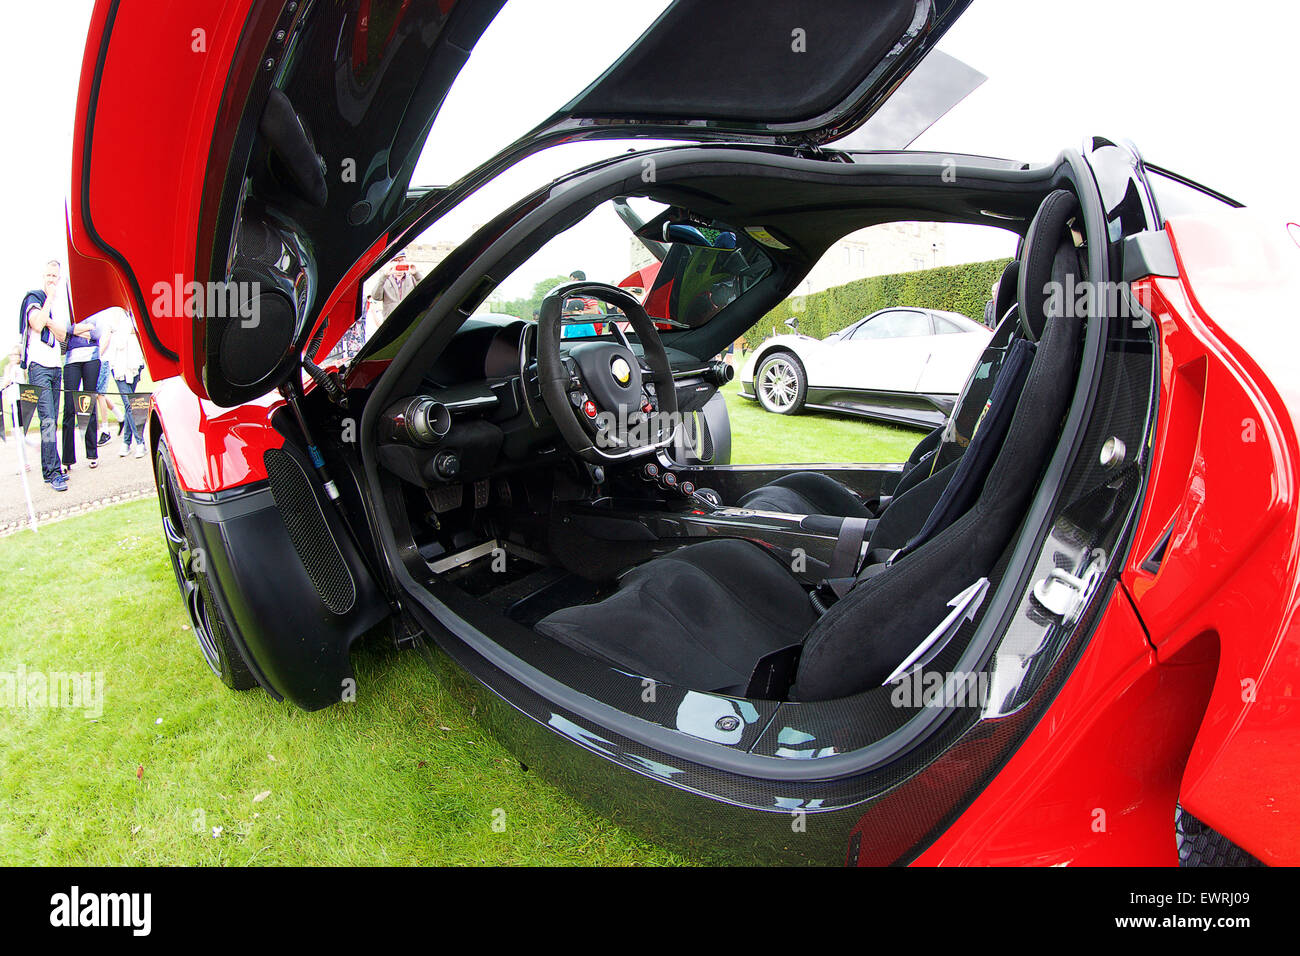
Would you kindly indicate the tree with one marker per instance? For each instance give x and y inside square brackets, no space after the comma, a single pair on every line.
[524,308]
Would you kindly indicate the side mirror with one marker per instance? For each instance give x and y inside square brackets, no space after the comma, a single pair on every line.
[792,324]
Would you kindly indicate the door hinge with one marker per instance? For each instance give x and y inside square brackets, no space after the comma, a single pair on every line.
[407,635]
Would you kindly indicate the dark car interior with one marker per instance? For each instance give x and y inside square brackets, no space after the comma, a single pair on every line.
[655,558]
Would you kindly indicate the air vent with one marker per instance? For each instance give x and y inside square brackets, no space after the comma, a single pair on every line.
[1157,556]
[308,530]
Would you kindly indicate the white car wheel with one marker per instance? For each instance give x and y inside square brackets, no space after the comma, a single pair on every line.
[781,383]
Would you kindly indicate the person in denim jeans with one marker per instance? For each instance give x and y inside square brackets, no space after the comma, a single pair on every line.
[45,330]
[81,373]
[120,349]
[106,415]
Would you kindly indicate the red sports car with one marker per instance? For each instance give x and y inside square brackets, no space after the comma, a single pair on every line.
[1062,632]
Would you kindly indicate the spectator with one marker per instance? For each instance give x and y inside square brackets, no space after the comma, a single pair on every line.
[120,351]
[41,353]
[8,379]
[990,319]
[400,279]
[373,316]
[10,382]
[579,305]
[107,413]
[104,322]
[354,338]
[81,374]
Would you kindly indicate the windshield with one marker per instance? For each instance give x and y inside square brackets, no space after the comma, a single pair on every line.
[683,281]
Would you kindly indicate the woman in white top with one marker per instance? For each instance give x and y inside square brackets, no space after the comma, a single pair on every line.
[120,348]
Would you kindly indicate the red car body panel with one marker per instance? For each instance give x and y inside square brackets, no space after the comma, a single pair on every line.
[1096,781]
[214,448]
[156,135]
[1204,709]
[136,247]
[1227,482]
[1188,688]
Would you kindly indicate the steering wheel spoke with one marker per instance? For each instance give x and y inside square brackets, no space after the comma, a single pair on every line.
[604,397]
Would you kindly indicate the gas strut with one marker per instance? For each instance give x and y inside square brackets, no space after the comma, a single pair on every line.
[292,391]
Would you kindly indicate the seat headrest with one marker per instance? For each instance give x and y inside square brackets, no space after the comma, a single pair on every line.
[1048,256]
[1008,291]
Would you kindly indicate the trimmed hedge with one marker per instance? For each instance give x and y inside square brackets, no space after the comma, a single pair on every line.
[963,288]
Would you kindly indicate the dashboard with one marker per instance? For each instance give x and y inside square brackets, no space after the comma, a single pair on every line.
[479,410]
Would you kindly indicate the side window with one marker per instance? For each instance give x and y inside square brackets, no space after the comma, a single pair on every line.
[859,333]
[1175,197]
[943,266]
[896,324]
[848,333]
[944,326]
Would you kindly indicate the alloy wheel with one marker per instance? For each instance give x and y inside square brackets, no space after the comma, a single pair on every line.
[181,552]
[779,383]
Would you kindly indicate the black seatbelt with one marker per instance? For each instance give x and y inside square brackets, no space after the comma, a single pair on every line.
[847,555]
[985,446]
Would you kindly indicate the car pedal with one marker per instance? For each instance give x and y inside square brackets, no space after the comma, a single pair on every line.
[482,491]
[446,498]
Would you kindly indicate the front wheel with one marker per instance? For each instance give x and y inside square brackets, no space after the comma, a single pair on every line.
[190,567]
[781,383]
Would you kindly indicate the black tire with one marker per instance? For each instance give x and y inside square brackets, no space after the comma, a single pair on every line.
[210,629]
[780,383]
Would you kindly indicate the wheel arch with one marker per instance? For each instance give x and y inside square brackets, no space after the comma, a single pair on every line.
[214,449]
[761,354]
[276,548]
[780,345]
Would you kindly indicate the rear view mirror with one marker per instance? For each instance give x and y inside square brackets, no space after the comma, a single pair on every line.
[686,234]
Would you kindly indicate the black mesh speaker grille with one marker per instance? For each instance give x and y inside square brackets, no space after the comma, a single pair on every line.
[309,532]
[250,350]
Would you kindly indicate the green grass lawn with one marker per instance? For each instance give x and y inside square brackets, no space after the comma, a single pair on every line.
[759,437]
[403,776]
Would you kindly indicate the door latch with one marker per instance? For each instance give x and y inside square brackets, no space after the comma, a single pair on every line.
[1064,595]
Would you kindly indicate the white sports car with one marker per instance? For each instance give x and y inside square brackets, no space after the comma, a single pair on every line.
[900,364]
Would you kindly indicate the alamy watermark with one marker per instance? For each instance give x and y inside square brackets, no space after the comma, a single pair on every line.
[21,689]
[952,689]
[637,429]
[1079,299]
[212,300]
[75,908]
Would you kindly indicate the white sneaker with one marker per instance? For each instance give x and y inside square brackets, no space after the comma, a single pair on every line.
[123,450]
[139,451]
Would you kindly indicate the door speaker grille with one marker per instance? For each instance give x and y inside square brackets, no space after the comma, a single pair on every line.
[309,531]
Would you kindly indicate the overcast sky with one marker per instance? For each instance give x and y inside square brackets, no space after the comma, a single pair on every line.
[1211,97]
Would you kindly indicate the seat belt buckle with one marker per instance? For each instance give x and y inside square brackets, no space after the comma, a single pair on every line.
[828,592]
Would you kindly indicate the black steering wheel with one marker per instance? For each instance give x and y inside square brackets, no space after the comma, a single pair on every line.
[606,404]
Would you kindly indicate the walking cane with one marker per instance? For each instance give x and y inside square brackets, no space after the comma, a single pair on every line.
[22,457]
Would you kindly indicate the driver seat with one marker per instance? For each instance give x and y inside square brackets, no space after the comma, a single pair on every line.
[814,493]
[727,616]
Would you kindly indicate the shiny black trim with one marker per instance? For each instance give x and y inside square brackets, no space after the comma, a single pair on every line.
[294,645]
[1148,254]
[1193,184]
[854,765]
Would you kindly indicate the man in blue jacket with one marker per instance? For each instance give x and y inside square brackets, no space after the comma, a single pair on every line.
[45,330]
